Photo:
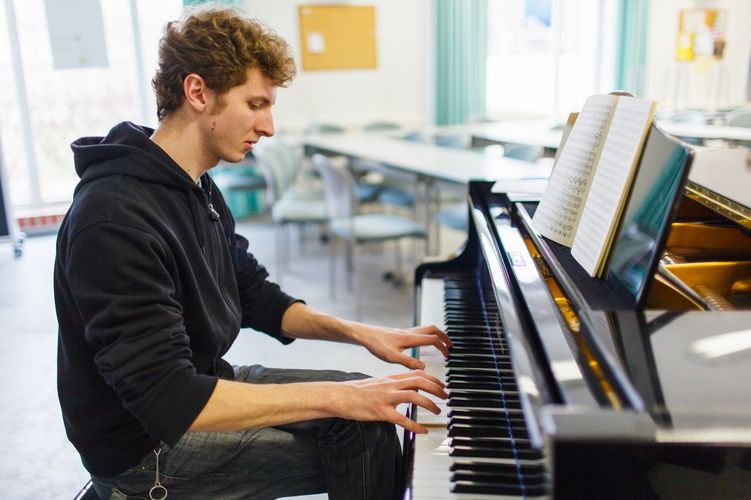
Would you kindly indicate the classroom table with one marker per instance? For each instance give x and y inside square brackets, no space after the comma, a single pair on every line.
[537,133]
[430,164]
[697,131]
[531,133]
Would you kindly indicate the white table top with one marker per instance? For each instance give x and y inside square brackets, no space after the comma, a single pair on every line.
[539,133]
[447,164]
[532,133]
[706,131]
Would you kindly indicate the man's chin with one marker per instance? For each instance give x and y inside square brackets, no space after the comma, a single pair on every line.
[235,158]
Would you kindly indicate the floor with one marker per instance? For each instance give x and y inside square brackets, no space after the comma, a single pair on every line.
[36,460]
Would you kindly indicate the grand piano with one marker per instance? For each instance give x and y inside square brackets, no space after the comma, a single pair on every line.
[636,385]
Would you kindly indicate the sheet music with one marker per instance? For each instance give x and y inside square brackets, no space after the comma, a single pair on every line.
[611,182]
[558,213]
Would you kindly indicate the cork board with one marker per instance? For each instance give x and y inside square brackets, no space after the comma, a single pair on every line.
[337,37]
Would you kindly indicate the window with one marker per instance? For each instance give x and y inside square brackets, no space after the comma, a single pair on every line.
[546,56]
[64,104]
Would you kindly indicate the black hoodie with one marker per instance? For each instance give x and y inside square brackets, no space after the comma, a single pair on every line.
[151,288]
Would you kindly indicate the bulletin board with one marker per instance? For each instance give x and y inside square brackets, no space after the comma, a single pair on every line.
[701,34]
[337,37]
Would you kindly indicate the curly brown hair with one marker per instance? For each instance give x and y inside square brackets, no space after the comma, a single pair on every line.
[220,44]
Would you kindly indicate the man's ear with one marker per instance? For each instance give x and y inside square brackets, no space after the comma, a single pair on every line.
[197,94]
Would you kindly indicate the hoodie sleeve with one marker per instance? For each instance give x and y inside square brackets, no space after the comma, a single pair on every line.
[263,302]
[126,297]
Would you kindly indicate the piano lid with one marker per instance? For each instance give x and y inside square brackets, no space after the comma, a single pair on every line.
[692,368]
[720,179]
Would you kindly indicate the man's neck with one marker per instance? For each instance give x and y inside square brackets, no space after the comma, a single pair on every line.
[182,141]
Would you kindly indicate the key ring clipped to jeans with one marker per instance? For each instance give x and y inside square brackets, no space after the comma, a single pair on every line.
[158,492]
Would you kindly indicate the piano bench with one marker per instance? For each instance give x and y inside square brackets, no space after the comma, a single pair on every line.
[87,492]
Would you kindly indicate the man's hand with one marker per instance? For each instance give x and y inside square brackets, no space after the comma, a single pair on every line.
[376,399]
[389,344]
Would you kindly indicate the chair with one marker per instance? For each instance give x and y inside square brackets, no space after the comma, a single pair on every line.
[291,204]
[357,229]
[238,182]
[324,128]
[693,117]
[368,190]
[456,141]
[381,126]
[455,216]
[523,152]
[739,118]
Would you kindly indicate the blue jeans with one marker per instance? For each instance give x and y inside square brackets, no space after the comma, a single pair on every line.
[349,460]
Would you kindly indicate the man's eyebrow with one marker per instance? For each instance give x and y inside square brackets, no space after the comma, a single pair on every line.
[260,98]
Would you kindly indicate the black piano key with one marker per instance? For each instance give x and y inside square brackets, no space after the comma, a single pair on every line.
[493,453]
[481,403]
[478,488]
[478,364]
[508,424]
[472,447]
[469,487]
[474,430]
[484,413]
[525,468]
[468,344]
[489,373]
[493,443]
[485,394]
[471,384]
[503,478]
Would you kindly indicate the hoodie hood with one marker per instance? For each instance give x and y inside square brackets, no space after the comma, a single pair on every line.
[127,150]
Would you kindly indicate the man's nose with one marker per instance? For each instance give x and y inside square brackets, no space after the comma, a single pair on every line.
[265,125]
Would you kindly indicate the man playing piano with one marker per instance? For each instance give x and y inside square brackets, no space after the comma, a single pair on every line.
[152,286]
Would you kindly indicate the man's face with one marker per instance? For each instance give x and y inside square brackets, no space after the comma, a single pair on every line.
[240,117]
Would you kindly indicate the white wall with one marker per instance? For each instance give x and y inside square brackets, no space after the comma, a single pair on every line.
[397,90]
[705,84]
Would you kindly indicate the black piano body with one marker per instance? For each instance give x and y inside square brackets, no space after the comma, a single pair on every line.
[606,394]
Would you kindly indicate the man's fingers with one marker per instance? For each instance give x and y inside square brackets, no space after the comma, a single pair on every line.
[419,400]
[423,384]
[433,330]
[425,340]
[419,373]
[410,362]
[409,424]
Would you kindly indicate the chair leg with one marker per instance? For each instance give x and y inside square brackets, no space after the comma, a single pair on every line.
[350,265]
[357,281]
[287,241]
[278,228]
[333,241]
[398,277]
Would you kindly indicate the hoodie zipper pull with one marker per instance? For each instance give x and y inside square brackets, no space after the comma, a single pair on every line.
[213,214]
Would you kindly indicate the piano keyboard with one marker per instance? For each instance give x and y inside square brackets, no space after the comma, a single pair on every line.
[478,447]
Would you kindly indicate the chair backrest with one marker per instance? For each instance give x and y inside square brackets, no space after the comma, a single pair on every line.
[691,116]
[324,128]
[338,187]
[456,141]
[380,126]
[739,118]
[278,173]
[522,152]
[414,137]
